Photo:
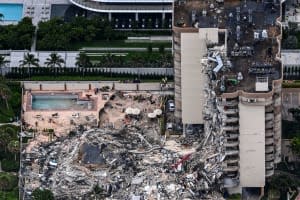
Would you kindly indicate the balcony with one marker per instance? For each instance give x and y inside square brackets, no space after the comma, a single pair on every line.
[269,141]
[269,149]
[230,168]
[269,165]
[122,8]
[231,152]
[230,182]
[232,135]
[231,161]
[269,157]
[230,119]
[230,111]
[269,124]
[269,133]
[269,116]
[230,128]
[231,144]
[269,172]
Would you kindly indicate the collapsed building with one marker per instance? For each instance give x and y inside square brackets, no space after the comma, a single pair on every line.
[228,77]
[127,157]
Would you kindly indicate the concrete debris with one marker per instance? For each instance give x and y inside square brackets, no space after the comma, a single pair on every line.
[132,160]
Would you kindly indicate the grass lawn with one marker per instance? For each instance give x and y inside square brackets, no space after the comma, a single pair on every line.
[117,43]
[87,78]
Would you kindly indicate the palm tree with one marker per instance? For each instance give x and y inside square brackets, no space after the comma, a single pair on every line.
[14,147]
[54,60]
[1,17]
[3,62]
[29,60]
[5,93]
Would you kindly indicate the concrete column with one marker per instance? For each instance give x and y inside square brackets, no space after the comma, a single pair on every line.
[109,17]
[136,16]
[163,16]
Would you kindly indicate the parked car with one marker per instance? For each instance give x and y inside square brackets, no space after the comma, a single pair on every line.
[171,105]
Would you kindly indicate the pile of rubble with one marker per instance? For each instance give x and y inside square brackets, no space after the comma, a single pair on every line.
[131,163]
[128,158]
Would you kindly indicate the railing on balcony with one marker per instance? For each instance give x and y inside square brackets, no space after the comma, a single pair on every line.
[104,7]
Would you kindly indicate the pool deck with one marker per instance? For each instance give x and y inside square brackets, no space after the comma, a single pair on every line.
[79,94]
[35,9]
[66,120]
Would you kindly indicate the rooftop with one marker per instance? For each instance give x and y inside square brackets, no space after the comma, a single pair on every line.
[248,31]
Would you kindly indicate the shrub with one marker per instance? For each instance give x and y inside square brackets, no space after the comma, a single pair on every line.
[10,165]
[8,181]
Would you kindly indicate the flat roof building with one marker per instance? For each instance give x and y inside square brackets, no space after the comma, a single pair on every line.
[228,76]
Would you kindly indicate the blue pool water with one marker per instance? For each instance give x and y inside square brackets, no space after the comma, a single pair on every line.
[11,12]
[57,102]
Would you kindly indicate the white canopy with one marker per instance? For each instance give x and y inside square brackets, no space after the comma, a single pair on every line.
[157,112]
[128,111]
[151,115]
[136,111]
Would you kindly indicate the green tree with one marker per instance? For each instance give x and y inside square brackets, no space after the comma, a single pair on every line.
[1,17]
[4,139]
[150,48]
[108,32]
[14,147]
[82,60]
[3,63]
[29,60]
[5,93]
[45,194]
[8,181]
[161,49]
[54,60]
[295,145]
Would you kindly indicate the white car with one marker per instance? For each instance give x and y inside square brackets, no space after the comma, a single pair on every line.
[171,105]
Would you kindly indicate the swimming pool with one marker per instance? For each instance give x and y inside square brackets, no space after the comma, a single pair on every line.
[11,12]
[58,102]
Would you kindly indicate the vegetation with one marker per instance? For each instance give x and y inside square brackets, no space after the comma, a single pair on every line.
[234,197]
[17,36]
[73,74]
[118,43]
[8,181]
[11,195]
[57,34]
[291,36]
[295,145]
[82,60]
[44,194]
[9,163]
[54,60]
[10,101]
[283,183]
[294,84]
[29,60]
